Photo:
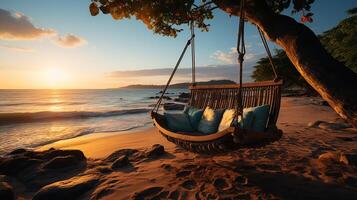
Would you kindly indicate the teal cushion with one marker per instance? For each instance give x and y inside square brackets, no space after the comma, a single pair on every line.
[194,115]
[227,119]
[210,120]
[248,117]
[261,115]
[178,122]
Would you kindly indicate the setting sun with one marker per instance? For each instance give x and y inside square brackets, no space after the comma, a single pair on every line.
[55,78]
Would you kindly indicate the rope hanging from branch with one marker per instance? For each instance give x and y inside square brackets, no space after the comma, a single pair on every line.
[193,53]
[268,52]
[241,52]
[189,42]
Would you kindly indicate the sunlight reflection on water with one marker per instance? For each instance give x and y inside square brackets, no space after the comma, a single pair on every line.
[77,104]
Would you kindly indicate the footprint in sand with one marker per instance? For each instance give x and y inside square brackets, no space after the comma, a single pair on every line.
[221,184]
[189,184]
[241,180]
[167,167]
[183,173]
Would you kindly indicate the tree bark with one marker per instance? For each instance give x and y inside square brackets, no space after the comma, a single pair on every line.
[336,83]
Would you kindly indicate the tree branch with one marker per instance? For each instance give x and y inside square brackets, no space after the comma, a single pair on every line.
[203,5]
[214,8]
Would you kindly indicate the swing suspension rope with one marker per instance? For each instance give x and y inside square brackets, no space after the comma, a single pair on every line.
[241,52]
[273,67]
[193,52]
[188,43]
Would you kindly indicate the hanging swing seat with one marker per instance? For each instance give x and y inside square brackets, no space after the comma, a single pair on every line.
[231,96]
[226,96]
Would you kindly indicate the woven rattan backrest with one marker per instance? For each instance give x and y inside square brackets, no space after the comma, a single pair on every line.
[226,96]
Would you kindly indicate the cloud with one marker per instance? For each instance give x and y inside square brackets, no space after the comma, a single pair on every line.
[16,26]
[70,41]
[228,58]
[231,56]
[14,48]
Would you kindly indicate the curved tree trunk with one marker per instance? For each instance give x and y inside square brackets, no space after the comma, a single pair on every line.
[336,83]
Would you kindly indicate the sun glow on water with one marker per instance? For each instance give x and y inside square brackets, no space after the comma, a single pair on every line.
[55,101]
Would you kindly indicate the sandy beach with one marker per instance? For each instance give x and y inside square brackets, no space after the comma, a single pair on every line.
[315,159]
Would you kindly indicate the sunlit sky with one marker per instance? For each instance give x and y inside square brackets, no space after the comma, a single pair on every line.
[57,44]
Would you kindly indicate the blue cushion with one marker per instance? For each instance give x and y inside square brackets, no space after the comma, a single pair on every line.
[261,115]
[248,117]
[178,122]
[210,120]
[194,115]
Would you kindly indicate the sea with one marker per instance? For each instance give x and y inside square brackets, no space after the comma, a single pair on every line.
[31,118]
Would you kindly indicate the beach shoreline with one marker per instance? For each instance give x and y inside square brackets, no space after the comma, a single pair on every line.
[100,145]
[299,111]
[315,159]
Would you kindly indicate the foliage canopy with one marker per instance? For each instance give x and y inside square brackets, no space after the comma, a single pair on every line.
[165,16]
[341,41]
[284,68]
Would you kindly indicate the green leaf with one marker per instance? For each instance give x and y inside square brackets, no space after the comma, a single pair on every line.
[93,8]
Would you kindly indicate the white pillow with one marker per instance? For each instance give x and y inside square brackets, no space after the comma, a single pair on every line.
[227,119]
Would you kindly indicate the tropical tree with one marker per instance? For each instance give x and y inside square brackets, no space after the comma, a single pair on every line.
[331,79]
[340,41]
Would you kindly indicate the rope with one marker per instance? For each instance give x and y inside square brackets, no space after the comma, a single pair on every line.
[273,67]
[157,105]
[241,52]
[193,53]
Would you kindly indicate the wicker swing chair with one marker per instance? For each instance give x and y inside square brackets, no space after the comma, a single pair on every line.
[237,96]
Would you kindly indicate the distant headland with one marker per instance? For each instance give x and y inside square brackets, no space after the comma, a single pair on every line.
[179,85]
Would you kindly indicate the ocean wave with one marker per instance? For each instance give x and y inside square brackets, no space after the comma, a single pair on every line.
[9,145]
[10,118]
